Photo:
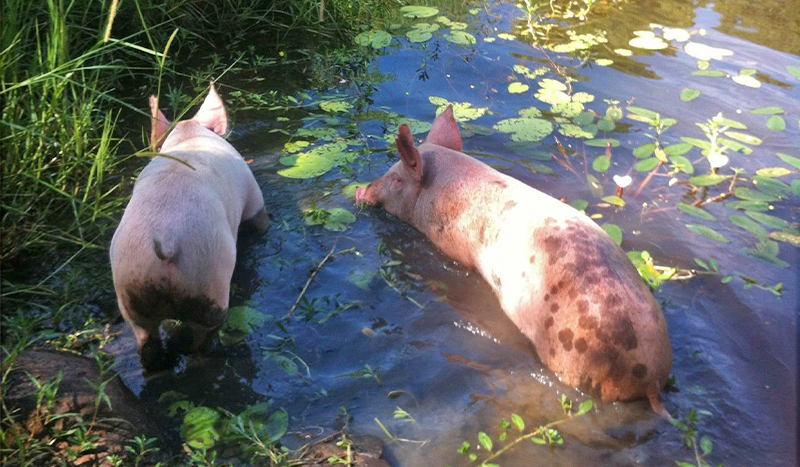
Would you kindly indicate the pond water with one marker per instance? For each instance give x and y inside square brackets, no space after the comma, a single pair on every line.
[432,334]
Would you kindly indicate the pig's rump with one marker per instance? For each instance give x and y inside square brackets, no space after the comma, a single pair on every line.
[174,253]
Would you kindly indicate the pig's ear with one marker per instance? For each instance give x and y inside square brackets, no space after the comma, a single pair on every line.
[445,131]
[212,113]
[408,153]
[158,125]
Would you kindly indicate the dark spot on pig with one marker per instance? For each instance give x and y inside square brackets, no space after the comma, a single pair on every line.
[499,183]
[639,371]
[623,333]
[532,259]
[552,352]
[496,280]
[561,283]
[580,345]
[565,336]
[554,308]
[548,322]
[508,205]
[546,297]
[156,302]
[587,322]
[553,290]
[610,358]
[573,293]
[583,306]
[613,301]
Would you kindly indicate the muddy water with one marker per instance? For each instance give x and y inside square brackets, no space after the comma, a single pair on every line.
[437,334]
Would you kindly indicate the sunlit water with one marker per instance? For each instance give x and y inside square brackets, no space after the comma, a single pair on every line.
[461,365]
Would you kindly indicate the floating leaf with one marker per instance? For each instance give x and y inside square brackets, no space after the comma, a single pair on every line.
[707,232]
[745,138]
[648,43]
[705,52]
[786,237]
[776,123]
[695,211]
[549,83]
[574,131]
[771,186]
[767,111]
[644,151]
[748,205]
[748,225]
[767,250]
[594,185]
[528,73]
[516,420]
[646,165]
[614,200]
[796,187]
[791,160]
[649,114]
[525,128]
[745,80]
[507,37]
[517,87]
[414,11]
[603,142]
[623,52]
[530,112]
[585,407]
[733,124]
[601,163]
[710,73]
[426,27]
[244,319]
[751,195]
[567,109]
[579,204]
[773,172]
[604,62]
[613,231]
[678,149]
[794,71]
[552,96]
[688,95]
[708,180]
[584,118]
[735,146]
[676,34]
[462,111]
[460,38]
[376,38]
[606,124]
[485,441]
[683,164]
[770,221]
[416,36]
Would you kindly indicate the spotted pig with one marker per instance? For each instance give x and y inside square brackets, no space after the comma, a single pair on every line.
[173,254]
[565,284]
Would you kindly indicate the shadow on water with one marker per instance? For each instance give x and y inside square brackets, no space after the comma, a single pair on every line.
[431,333]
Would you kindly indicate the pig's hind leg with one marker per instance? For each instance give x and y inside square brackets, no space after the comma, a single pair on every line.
[148,340]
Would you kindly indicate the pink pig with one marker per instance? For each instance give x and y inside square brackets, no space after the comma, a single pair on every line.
[173,253]
[565,284]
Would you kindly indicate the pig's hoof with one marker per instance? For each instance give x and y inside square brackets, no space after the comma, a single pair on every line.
[153,357]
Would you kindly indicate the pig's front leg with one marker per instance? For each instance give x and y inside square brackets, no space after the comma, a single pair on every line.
[260,221]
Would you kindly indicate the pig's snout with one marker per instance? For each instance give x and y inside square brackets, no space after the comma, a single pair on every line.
[359,194]
[366,194]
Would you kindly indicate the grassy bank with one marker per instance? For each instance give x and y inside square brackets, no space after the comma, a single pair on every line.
[75,76]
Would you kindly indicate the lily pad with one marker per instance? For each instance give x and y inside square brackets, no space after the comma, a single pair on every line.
[601,163]
[695,211]
[549,83]
[776,123]
[530,112]
[552,96]
[414,11]
[335,106]
[574,131]
[676,34]
[316,162]
[705,52]
[462,111]
[567,109]
[606,124]
[416,36]
[336,219]
[525,128]
[648,43]
[528,73]
[583,118]
[517,87]
[376,38]
[426,27]
[460,38]
[707,232]
[688,95]
[506,37]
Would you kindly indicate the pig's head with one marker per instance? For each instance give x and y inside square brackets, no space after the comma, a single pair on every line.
[211,117]
[397,190]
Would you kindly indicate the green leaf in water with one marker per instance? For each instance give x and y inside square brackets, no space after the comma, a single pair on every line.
[732,124]
[649,114]
[678,149]
[767,111]
[613,231]
[751,195]
[574,131]
[708,179]
[646,165]
[707,232]
[485,441]
[773,172]
[748,205]
[695,211]
[786,237]
[606,124]
[376,38]
[549,83]
[704,52]
[614,201]
[516,420]
[594,185]
[414,11]
[524,129]
[710,73]
[517,87]
[623,52]
[584,118]
[552,96]
[416,36]
[748,225]
[462,111]
[702,144]
[460,38]
[767,251]
[601,163]
[506,36]
[735,146]
[198,427]
[688,95]
[770,221]
[771,186]
[796,187]
[567,109]
[776,123]
[585,407]
[644,151]
[604,62]
[648,43]
[743,137]
[791,160]
[603,142]
[794,71]
[579,204]
[683,164]
[335,106]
